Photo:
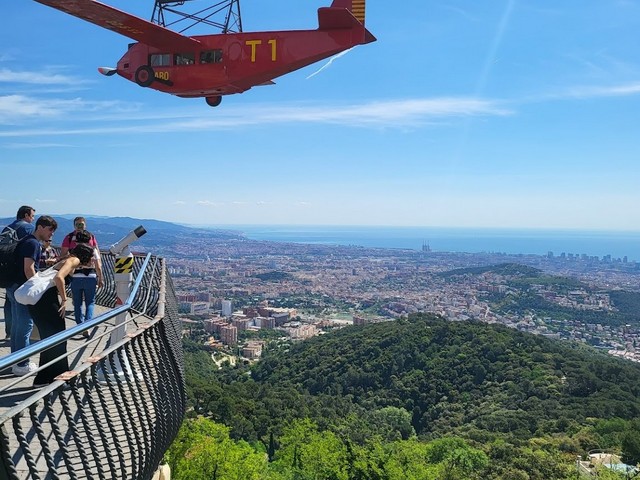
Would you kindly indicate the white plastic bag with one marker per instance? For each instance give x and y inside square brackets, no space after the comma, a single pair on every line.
[32,290]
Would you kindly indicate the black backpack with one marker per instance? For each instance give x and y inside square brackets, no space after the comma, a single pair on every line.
[8,265]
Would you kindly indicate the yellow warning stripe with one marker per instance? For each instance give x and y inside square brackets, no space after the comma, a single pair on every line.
[124,265]
[357,8]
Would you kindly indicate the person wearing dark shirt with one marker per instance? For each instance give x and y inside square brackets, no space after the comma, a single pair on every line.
[23,226]
[28,258]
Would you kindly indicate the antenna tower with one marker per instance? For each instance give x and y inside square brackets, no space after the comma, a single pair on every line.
[224,15]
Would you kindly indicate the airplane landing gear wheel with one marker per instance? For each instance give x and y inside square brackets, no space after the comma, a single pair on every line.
[144,76]
[214,101]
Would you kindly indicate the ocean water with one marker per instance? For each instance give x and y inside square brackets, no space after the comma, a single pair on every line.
[512,241]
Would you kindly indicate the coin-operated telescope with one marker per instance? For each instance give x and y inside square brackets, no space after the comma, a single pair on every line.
[119,247]
[123,276]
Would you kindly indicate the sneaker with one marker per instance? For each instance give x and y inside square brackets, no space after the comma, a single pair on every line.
[19,371]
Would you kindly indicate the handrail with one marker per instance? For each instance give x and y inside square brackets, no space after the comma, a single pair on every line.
[66,334]
[114,415]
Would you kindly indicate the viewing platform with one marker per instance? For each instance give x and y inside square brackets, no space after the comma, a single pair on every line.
[121,404]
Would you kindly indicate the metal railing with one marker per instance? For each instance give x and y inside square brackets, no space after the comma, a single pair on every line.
[115,414]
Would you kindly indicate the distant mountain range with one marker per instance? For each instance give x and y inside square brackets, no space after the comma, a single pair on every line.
[108,230]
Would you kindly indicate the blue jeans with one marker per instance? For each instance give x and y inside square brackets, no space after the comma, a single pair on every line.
[21,323]
[7,315]
[83,288]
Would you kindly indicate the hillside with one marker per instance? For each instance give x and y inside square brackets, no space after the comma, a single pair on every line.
[524,405]
[461,376]
[528,290]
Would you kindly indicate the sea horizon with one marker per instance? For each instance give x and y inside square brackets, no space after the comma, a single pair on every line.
[514,241]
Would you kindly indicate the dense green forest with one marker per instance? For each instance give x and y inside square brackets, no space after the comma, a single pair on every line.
[418,398]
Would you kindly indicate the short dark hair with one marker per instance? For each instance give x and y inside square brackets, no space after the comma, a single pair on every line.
[23,211]
[46,221]
[83,237]
[83,252]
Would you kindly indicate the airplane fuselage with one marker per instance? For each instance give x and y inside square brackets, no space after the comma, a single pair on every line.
[234,62]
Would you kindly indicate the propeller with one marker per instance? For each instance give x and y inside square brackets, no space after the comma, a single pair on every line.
[107,71]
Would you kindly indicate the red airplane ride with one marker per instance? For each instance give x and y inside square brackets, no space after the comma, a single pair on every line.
[222,64]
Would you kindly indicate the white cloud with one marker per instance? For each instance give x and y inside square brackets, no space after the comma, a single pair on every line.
[179,202]
[586,92]
[377,114]
[115,117]
[43,77]
[19,108]
[18,146]
[609,91]
[209,203]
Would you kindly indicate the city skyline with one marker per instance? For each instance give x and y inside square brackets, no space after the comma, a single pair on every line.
[514,114]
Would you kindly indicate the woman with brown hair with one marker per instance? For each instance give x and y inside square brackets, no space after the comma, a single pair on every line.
[85,281]
[70,240]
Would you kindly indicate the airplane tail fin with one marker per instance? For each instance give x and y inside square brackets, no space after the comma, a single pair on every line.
[345,14]
[356,7]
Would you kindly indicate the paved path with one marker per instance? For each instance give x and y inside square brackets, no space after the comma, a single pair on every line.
[24,389]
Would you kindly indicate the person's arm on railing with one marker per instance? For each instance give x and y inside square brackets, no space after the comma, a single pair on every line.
[64,268]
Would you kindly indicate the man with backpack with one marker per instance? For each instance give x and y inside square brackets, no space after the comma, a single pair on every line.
[27,256]
[17,230]
[23,224]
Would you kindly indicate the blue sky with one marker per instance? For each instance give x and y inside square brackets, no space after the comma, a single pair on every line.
[501,113]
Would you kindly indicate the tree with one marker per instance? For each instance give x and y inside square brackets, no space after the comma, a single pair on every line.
[393,423]
[408,460]
[203,451]
[456,458]
[311,454]
[631,443]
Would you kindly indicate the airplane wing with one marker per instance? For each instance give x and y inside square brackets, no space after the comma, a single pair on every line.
[128,25]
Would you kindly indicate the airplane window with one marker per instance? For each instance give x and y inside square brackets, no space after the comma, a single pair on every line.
[160,60]
[211,56]
[185,59]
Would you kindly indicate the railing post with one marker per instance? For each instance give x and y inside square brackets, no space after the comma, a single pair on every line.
[162,294]
[123,275]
